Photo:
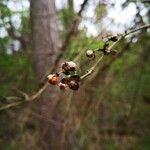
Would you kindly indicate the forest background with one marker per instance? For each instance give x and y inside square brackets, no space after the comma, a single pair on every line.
[110,111]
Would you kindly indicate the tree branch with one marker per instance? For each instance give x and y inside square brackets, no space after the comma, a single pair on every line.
[42,89]
[70,33]
[82,7]
[26,98]
[92,68]
[119,39]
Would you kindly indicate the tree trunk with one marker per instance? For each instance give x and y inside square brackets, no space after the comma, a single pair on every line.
[45,38]
[45,47]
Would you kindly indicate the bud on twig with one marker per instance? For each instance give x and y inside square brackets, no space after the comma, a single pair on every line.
[90,53]
[113,38]
[68,66]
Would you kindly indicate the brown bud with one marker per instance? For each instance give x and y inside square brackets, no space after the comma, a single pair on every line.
[63,86]
[75,78]
[106,45]
[65,80]
[68,66]
[73,85]
[113,38]
[106,51]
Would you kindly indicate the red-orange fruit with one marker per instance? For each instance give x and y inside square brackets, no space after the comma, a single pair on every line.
[53,79]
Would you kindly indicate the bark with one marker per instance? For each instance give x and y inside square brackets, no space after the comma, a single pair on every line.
[45,38]
[45,47]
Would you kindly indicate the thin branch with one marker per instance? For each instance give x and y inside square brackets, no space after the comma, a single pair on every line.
[26,99]
[21,93]
[127,33]
[11,105]
[135,30]
[39,92]
[119,39]
[70,33]
[92,68]
[42,89]
[82,7]
[118,55]
[10,98]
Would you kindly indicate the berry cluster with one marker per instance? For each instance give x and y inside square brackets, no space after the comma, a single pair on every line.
[67,77]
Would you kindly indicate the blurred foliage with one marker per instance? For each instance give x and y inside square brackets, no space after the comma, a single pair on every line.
[14,70]
[103,117]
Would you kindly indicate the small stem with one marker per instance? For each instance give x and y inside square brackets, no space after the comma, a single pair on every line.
[27,98]
[119,39]
[127,33]
[10,105]
[135,30]
[92,68]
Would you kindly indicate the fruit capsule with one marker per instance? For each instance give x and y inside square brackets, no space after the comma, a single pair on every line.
[73,85]
[63,86]
[53,79]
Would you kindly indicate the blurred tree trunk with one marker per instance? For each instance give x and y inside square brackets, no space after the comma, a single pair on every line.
[45,38]
[45,47]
